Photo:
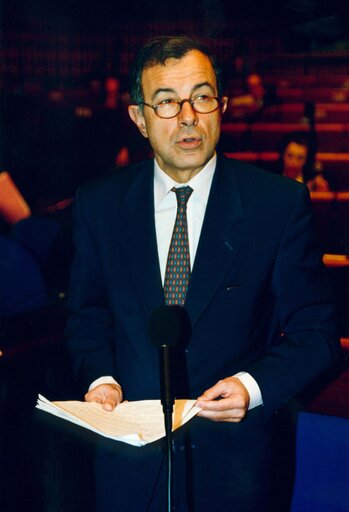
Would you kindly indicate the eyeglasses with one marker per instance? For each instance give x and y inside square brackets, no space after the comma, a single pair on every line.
[171,108]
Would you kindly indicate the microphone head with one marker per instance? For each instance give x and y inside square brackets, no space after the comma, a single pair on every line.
[165,326]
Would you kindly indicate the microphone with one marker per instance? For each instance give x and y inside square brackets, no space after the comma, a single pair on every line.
[165,327]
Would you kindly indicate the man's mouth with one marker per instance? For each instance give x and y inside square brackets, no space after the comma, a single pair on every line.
[189,142]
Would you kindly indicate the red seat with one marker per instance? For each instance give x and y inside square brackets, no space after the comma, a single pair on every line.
[290,94]
[334,161]
[267,136]
[245,156]
[283,113]
[306,81]
[336,169]
[332,137]
[332,112]
[326,94]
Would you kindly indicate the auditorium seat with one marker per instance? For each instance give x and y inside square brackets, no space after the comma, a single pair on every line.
[267,136]
[325,218]
[244,156]
[332,112]
[338,269]
[339,263]
[308,80]
[336,169]
[322,464]
[315,94]
[338,178]
[290,94]
[332,137]
[336,260]
[342,221]
[345,344]
[22,283]
[292,112]
[37,235]
[295,112]
[234,137]
[260,158]
[289,81]
[41,465]
[256,137]
[268,159]
[334,165]
[326,94]
[283,113]
[334,161]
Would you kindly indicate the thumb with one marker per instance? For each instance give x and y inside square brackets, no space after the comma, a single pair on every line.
[212,393]
[109,404]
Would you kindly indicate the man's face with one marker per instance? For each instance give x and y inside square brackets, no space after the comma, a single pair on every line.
[183,144]
[295,157]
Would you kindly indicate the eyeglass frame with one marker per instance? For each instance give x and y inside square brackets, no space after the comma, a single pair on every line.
[180,104]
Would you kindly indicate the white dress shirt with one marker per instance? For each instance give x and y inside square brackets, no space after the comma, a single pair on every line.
[165,206]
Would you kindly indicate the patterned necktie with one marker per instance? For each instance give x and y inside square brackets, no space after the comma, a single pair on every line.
[178,260]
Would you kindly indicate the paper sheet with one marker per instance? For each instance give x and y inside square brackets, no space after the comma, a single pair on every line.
[136,423]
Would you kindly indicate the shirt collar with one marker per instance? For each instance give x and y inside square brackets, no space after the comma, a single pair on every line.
[201,182]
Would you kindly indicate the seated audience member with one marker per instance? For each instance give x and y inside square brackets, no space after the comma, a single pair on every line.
[297,161]
[256,99]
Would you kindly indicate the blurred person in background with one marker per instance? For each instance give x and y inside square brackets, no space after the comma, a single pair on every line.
[297,160]
[258,96]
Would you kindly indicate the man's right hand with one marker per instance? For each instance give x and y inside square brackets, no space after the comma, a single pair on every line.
[109,395]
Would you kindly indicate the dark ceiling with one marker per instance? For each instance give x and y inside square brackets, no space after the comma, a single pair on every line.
[305,20]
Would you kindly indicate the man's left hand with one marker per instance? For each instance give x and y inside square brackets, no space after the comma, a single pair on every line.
[228,400]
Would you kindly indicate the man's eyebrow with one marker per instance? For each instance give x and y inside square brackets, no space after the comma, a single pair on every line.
[170,90]
[203,84]
[160,90]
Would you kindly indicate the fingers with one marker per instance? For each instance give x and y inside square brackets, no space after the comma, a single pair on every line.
[228,400]
[223,410]
[215,392]
[109,395]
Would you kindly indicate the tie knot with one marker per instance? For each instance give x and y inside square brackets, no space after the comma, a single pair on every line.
[183,194]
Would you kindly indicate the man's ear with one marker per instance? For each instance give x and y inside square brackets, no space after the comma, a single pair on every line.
[136,114]
[224,104]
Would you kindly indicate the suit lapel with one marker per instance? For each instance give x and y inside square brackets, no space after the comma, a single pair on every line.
[220,240]
[140,240]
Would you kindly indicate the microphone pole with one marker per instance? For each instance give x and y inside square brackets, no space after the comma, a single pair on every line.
[164,331]
[167,401]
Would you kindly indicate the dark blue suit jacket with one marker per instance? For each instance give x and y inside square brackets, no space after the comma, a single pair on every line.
[258,298]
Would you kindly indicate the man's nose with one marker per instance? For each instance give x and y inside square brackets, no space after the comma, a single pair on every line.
[187,115]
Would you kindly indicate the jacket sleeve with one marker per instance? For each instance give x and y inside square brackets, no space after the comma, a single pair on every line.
[308,342]
[89,330]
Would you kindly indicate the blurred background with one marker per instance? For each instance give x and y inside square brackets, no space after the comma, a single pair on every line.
[64,75]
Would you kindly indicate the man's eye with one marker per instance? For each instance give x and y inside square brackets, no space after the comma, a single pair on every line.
[202,97]
[166,102]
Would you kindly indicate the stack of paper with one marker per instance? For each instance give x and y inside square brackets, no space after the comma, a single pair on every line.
[136,423]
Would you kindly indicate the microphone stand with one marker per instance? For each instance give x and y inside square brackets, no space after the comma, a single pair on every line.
[167,401]
[165,330]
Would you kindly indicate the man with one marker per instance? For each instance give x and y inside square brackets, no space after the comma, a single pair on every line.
[257,98]
[259,306]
